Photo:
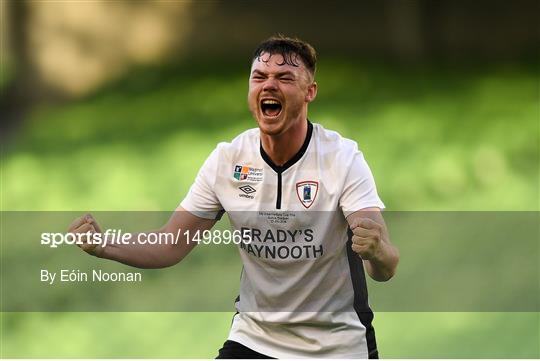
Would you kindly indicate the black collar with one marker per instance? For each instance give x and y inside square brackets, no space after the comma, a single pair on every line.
[294,159]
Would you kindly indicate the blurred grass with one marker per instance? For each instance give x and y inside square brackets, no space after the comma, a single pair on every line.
[437,138]
[200,335]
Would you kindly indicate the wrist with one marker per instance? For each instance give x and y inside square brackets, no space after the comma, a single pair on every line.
[380,251]
[101,252]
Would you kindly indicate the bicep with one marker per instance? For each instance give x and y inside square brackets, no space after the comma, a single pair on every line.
[359,189]
[182,220]
[202,200]
[187,225]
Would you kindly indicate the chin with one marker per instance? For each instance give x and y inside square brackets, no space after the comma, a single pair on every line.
[270,127]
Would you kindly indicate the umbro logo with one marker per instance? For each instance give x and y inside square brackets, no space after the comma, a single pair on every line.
[247,189]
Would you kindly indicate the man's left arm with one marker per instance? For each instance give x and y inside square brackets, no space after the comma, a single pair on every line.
[371,242]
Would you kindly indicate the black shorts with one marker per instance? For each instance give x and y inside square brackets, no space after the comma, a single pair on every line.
[234,350]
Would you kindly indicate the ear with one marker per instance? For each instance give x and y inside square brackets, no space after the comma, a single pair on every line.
[311,92]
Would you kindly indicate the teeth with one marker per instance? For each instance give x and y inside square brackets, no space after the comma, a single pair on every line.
[270,101]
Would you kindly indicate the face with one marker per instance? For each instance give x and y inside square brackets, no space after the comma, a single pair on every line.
[279,93]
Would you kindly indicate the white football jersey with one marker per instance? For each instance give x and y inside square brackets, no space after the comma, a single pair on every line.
[302,289]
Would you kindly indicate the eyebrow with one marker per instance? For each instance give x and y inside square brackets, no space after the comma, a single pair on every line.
[278,74]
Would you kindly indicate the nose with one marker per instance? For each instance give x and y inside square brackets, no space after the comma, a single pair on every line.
[270,84]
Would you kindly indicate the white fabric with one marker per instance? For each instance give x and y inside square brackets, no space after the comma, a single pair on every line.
[296,292]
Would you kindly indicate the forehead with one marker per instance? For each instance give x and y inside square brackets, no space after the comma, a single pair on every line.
[276,63]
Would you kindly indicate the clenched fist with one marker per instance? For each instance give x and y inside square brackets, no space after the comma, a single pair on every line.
[367,238]
[87,225]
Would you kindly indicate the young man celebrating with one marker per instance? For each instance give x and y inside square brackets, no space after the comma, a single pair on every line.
[307,200]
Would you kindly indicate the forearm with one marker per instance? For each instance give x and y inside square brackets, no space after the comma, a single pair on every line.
[383,266]
[371,241]
[167,246]
[144,255]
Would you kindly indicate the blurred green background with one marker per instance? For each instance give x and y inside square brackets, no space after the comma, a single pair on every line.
[114,106]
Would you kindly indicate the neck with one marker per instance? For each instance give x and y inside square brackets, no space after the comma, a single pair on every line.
[282,147]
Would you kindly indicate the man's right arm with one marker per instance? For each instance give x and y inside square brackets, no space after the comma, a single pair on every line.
[147,255]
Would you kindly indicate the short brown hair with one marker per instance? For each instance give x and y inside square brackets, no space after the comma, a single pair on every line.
[290,49]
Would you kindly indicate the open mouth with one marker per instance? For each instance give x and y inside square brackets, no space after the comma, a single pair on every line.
[271,107]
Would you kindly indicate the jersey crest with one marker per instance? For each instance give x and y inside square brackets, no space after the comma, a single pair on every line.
[307,192]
